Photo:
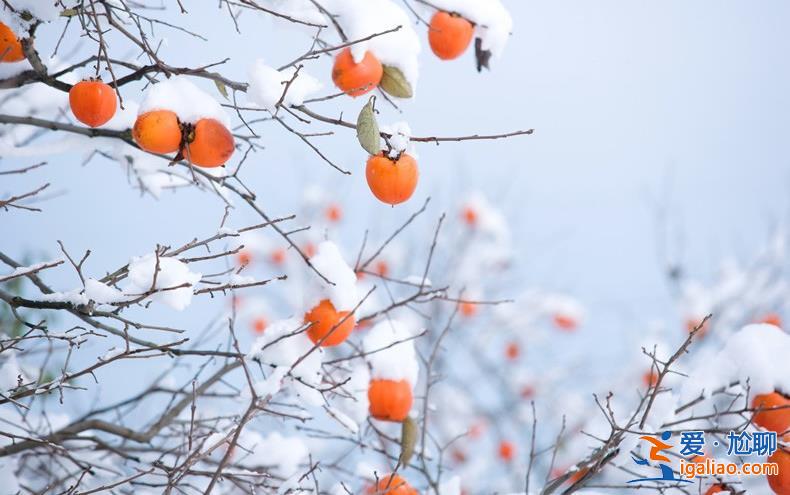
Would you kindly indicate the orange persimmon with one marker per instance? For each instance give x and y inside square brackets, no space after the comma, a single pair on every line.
[328,324]
[157,131]
[780,482]
[449,35]
[354,78]
[392,181]
[769,417]
[391,484]
[389,400]
[10,47]
[92,102]
[209,144]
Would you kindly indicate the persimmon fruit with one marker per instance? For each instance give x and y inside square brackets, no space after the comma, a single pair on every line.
[512,351]
[382,268]
[468,309]
[780,482]
[334,213]
[259,325]
[328,324]
[716,489]
[390,400]
[777,420]
[469,215]
[772,319]
[391,484]
[10,47]
[506,450]
[244,257]
[354,78]
[449,35]
[278,256]
[92,102]
[565,322]
[157,131]
[209,144]
[392,181]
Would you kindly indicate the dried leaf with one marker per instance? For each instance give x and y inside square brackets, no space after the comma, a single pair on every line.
[368,129]
[69,13]
[482,57]
[222,89]
[395,83]
[408,439]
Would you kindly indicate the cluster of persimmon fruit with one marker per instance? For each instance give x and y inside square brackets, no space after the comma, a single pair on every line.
[773,414]
[206,143]
[393,179]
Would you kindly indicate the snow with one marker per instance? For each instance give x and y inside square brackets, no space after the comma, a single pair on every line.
[267,84]
[10,372]
[757,352]
[172,273]
[74,297]
[398,362]
[353,402]
[330,263]
[102,293]
[183,97]
[113,352]
[343,419]
[362,18]
[493,23]
[451,487]
[45,10]
[274,349]
[23,270]
[400,137]
[282,455]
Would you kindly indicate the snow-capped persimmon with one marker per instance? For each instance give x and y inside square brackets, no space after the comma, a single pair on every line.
[157,131]
[506,450]
[354,78]
[10,47]
[449,35]
[328,324]
[769,417]
[392,181]
[780,483]
[391,484]
[565,322]
[209,144]
[92,102]
[390,400]
[333,213]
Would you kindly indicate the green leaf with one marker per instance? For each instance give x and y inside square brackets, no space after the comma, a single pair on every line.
[395,84]
[222,89]
[368,133]
[408,439]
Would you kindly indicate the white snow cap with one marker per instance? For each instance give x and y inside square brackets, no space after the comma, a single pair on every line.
[362,18]
[172,273]
[757,352]
[493,23]
[401,137]
[188,101]
[283,455]
[398,362]
[275,349]
[329,262]
[267,85]
[103,294]
[10,372]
